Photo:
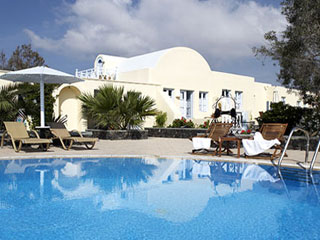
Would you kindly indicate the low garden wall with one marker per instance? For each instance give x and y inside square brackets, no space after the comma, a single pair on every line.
[175,132]
[119,134]
[300,142]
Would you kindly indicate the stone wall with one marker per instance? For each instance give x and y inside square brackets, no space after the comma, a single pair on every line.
[119,134]
[175,132]
[300,142]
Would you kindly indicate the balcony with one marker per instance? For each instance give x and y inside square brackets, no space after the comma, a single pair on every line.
[92,73]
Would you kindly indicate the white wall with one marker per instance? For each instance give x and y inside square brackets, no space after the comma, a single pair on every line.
[176,68]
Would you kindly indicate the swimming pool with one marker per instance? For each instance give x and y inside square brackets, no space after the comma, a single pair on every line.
[151,198]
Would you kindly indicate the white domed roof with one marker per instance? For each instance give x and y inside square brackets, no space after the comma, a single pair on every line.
[148,60]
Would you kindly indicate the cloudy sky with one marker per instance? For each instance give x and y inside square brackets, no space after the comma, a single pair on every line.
[70,33]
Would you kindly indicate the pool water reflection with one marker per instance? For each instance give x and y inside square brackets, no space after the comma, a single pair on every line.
[151,198]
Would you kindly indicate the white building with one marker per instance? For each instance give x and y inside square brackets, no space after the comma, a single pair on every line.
[178,79]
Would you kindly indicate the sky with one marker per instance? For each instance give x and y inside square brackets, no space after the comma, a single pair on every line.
[69,34]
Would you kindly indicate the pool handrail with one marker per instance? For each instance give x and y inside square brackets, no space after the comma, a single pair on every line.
[314,157]
[295,129]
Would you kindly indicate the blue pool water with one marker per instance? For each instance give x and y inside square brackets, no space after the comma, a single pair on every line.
[150,198]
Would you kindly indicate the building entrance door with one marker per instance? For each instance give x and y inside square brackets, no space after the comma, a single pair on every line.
[186,103]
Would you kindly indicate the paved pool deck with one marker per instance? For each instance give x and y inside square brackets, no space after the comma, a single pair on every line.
[151,147]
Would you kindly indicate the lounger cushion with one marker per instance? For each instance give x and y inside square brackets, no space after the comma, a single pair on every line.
[35,141]
[81,139]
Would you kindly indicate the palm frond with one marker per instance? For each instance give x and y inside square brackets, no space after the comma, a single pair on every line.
[111,108]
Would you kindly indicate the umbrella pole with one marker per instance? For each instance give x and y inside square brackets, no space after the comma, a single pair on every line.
[42,123]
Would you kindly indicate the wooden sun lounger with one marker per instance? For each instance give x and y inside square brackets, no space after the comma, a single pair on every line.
[271,131]
[216,131]
[18,133]
[60,132]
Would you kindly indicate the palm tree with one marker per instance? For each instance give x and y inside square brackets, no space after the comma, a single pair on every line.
[111,108]
[103,108]
[135,108]
[8,103]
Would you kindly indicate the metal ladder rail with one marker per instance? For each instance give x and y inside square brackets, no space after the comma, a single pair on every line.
[296,129]
[314,157]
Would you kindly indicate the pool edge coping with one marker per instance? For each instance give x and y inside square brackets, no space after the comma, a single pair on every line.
[172,157]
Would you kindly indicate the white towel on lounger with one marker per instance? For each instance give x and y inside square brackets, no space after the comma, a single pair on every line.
[201,143]
[258,145]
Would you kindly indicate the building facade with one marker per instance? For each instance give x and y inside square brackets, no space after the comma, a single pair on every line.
[179,80]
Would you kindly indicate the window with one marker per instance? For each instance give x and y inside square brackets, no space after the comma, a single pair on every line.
[299,103]
[268,105]
[203,101]
[238,99]
[169,92]
[283,99]
[226,92]
[275,96]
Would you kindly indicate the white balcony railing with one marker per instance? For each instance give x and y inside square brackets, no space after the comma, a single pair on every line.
[109,74]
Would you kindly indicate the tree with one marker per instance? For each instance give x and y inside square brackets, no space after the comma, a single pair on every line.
[111,108]
[134,108]
[102,108]
[24,57]
[8,103]
[29,96]
[297,49]
[29,101]
[3,60]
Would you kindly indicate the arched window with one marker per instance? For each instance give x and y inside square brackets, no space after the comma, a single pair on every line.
[100,67]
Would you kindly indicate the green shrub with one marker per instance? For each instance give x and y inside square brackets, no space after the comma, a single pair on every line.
[161,119]
[305,118]
[181,123]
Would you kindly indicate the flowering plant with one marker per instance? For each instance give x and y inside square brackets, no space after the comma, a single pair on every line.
[178,123]
[245,132]
[205,124]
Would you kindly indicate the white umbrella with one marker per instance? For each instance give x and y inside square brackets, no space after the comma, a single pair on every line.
[40,75]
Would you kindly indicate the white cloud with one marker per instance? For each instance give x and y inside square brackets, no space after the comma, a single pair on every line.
[225,29]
